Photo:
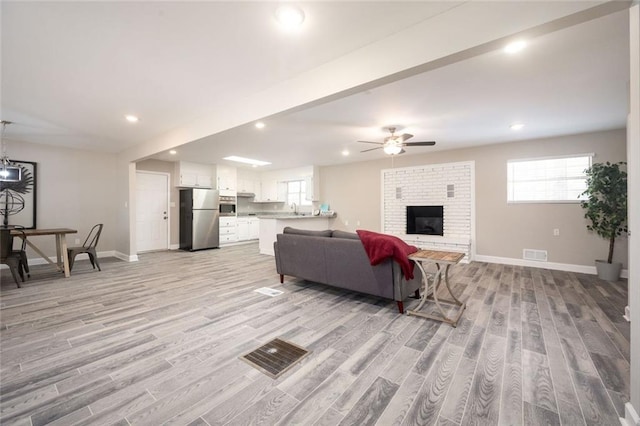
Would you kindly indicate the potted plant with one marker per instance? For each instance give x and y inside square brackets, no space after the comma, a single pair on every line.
[606,210]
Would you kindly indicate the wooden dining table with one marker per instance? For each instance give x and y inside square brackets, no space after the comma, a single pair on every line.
[62,263]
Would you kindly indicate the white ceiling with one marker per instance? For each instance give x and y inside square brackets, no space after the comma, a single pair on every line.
[71,71]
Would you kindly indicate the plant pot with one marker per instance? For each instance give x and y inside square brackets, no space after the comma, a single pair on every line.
[608,271]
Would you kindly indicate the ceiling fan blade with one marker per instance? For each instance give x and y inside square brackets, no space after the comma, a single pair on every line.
[405,136]
[371,149]
[425,143]
[377,143]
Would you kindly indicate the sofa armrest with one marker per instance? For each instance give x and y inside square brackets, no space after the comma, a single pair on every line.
[276,253]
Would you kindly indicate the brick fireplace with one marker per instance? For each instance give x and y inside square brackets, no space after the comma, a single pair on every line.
[450,185]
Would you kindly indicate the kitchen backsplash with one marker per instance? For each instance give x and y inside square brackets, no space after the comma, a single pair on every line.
[244,206]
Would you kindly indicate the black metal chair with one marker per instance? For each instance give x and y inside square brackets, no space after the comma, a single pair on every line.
[22,252]
[88,247]
[11,258]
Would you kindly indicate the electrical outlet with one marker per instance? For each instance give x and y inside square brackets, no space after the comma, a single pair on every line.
[77,241]
[346,222]
[556,232]
[357,223]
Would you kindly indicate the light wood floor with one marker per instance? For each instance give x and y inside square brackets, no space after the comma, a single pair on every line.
[157,342]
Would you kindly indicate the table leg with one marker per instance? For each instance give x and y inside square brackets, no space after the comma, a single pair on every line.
[437,281]
[40,253]
[65,255]
[58,252]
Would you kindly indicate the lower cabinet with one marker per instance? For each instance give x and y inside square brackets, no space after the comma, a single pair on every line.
[254,228]
[248,228]
[228,230]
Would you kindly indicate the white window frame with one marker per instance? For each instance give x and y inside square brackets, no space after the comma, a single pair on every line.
[511,197]
[301,195]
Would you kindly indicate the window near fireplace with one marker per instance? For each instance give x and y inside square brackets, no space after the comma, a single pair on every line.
[425,220]
[547,180]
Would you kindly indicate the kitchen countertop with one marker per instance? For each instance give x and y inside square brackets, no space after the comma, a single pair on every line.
[291,216]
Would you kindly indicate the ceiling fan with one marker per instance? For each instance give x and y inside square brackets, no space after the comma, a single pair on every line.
[394,144]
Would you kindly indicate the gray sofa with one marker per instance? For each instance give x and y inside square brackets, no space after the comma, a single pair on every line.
[338,258]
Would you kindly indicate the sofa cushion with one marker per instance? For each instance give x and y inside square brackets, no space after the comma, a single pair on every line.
[295,231]
[345,234]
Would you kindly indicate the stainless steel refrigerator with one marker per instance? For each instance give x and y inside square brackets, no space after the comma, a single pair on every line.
[199,219]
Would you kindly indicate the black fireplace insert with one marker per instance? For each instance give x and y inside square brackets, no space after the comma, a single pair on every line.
[426,220]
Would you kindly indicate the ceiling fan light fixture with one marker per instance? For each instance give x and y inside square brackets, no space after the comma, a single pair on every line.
[392,149]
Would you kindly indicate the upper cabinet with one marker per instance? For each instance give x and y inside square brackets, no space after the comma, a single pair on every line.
[193,175]
[249,183]
[226,179]
[313,185]
[248,186]
[272,191]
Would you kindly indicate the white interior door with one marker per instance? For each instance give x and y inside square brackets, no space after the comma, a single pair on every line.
[152,208]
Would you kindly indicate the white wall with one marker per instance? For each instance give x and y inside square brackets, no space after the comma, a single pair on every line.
[502,230]
[75,189]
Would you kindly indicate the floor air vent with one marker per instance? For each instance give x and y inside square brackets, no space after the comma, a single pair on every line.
[537,255]
[275,357]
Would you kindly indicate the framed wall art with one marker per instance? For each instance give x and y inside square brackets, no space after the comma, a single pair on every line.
[18,190]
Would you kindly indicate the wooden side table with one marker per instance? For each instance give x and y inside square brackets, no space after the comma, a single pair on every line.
[442,260]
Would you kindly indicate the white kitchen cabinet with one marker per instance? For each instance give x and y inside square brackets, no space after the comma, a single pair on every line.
[273,191]
[313,185]
[247,185]
[226,180]
[228,230]
[193,175]
[248,228]
[243,229]
[254,228]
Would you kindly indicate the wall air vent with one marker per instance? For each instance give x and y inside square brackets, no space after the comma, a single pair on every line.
[537,255]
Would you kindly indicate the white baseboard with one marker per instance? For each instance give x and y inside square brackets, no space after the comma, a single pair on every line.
[125,257]
[174,247]
[111,253]
[583,269]
[627,313]
[631,416]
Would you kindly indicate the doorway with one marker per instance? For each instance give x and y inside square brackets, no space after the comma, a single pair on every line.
[152,211]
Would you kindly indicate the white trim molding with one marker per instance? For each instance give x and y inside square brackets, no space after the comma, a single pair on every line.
[101,254]
[582,269]
[125,257]
[631,416]
[627,313]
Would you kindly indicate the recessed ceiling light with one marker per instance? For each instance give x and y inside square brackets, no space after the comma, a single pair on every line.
[289,16]
[516,126]
[515,47]
[173,152]
[345,152]
[131,118]
[246,160]
[259,125]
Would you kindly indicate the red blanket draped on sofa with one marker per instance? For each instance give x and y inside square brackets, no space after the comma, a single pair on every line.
[381,246]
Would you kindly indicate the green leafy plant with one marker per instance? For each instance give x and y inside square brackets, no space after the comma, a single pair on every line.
[606,203]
